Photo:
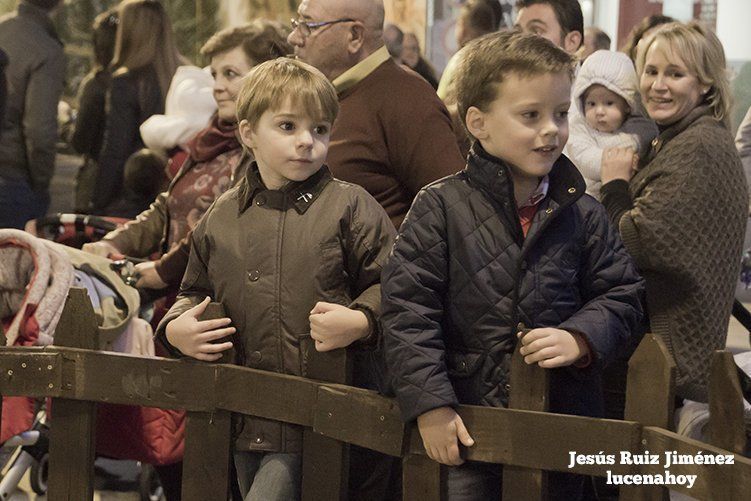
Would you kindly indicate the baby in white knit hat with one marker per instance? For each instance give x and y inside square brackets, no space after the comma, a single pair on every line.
[609,114]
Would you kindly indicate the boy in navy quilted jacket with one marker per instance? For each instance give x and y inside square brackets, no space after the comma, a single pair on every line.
[510,240]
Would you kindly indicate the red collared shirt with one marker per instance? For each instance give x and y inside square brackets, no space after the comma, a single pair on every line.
[528,208]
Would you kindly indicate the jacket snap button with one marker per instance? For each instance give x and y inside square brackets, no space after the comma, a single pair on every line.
[507,387]
[254,275]
[572,190]
[463,364]
[256,357]
[259,440]
[260,200]
[548,211]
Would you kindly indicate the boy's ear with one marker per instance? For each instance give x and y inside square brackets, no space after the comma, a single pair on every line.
[247,134]
[475,120]
[572,41]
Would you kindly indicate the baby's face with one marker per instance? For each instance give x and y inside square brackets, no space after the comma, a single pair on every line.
[604,110]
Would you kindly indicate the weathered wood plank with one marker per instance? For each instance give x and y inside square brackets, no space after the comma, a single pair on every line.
[30,372]
[359,417]
[77,327]
[325,461]
[542,440]
[714,481]
[421,479]
[650,400]
[246,391]
[529,391]
[206,462]
[71,474]
[727,427]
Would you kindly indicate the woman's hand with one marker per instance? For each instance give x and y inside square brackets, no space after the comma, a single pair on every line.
[148,277]
[618,163]
[102,248]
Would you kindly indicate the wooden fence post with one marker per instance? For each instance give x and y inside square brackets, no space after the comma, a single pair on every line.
[208,446]
[650,400]
[72,446]
[325,461]
[727,427]
[528,391]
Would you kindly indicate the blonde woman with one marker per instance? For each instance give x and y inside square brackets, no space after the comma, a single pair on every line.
[682,213]
[145,60]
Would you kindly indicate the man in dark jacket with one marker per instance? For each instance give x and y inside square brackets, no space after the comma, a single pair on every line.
[511,240]
[35,76]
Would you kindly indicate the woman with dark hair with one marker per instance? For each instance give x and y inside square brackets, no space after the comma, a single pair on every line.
[412,57]
[144,62]
[89,131]
[682,212]
[212,166]
[642,31]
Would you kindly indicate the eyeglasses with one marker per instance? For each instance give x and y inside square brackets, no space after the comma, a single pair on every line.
[306,28]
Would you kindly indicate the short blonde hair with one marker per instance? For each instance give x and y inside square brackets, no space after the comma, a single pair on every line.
[486,61]
[269,85]
[702,52]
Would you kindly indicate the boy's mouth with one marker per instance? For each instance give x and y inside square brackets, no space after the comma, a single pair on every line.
[546,149]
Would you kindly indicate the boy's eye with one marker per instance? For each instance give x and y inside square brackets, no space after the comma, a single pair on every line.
[321,129]
[530,114]
[286,126]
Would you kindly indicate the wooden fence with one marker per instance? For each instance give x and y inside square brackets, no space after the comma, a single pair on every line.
[526,439]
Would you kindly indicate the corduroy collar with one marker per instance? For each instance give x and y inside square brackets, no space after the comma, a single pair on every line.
[299,195]
[358,72]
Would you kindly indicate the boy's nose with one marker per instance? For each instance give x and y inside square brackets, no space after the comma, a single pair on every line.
[304,139]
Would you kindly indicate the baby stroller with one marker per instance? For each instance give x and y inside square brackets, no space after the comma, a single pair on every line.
[36,297]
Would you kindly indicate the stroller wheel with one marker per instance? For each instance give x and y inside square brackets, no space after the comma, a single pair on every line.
[38,475]
[148,484]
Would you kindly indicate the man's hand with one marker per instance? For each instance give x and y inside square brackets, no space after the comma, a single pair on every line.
[102,248]
[550,347]
[148,278]
[440,428]
[618,163]
[194,338]
[335,326]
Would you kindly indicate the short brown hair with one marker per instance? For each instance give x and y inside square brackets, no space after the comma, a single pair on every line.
[270,84]
[704,56]
[261,40]
[486,61]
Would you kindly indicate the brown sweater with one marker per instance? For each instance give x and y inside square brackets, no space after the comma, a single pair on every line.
[682,217]
[392,137]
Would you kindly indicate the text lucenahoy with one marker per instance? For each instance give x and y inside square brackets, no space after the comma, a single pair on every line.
[667,459]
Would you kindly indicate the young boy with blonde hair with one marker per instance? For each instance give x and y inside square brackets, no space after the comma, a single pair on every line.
[510,243]
[293,255]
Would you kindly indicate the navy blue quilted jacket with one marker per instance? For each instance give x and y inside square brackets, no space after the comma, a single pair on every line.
[462,276]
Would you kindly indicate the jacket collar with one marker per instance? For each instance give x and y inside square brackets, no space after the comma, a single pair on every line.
[40,17]
[299,195]
[673,130]
[493,175]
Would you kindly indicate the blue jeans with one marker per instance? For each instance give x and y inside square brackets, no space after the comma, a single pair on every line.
[19,203]
[269,476]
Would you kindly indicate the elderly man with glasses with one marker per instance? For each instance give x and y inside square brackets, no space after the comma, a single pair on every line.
[393,135]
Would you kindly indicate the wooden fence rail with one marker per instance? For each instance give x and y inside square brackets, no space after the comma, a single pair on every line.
[528,441]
